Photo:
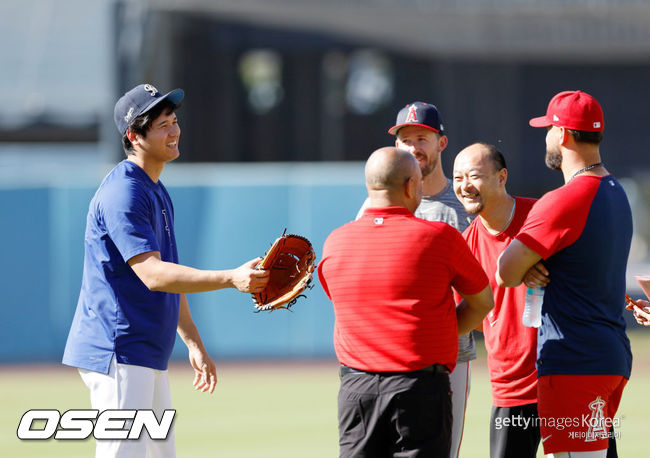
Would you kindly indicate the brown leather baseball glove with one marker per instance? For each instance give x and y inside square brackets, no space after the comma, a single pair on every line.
[291,260]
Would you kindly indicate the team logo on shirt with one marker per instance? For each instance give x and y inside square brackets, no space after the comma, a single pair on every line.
[164,213]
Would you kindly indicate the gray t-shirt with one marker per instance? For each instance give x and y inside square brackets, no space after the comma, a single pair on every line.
[445,207]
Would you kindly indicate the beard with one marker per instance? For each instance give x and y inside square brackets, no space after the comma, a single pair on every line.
[553,159]
[427,167]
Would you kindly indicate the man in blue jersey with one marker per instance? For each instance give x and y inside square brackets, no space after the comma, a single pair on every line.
[133,292]
[583,232]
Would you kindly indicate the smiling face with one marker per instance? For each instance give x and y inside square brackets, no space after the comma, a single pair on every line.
[160,144]
[477,182]
[424,144]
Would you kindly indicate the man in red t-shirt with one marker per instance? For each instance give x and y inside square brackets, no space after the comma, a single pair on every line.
[390,277]
[479,178]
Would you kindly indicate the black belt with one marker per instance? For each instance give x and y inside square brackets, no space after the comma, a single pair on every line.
[433,369]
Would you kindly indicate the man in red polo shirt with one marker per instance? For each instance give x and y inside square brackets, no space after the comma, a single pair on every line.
[480,177]
[390,277]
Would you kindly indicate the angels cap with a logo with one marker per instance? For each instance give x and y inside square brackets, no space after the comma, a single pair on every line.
[138,101]
[574,110]
[419,114]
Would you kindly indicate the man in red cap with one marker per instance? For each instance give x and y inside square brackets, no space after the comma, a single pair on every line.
[582,231]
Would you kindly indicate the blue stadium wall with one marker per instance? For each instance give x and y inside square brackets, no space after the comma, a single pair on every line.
[224,216]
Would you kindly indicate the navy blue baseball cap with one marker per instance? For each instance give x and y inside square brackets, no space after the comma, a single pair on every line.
[418,114]
[138,101]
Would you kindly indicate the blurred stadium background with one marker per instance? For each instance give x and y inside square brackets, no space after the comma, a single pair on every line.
[285,99]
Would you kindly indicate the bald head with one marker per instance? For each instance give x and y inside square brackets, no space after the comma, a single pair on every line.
[388,168]
[393,178]
[482,153]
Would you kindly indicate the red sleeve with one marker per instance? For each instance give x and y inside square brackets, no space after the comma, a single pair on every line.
[558,218]
[469,277]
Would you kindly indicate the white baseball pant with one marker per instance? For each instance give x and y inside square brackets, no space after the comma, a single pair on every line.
[131,387]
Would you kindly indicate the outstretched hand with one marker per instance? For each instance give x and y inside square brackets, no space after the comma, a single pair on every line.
[247,279]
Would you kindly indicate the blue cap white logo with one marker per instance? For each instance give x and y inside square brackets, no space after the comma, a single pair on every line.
[138,101]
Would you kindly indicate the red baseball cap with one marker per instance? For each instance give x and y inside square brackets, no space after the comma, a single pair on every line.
[575,110]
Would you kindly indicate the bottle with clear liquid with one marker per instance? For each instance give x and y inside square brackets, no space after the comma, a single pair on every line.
[532,316]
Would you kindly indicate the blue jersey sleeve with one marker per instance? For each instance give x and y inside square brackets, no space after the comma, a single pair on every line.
[127,217]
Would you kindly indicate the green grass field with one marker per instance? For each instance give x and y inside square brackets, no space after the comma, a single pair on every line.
[271,409]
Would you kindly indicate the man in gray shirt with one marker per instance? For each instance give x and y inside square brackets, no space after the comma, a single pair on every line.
[419,130]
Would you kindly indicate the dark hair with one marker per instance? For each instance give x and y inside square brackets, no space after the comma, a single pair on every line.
[142,123]
[584,136]
[495,155]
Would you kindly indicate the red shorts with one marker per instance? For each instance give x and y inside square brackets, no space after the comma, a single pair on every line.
[576,412]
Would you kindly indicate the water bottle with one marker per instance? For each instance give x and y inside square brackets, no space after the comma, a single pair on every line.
[532,316]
